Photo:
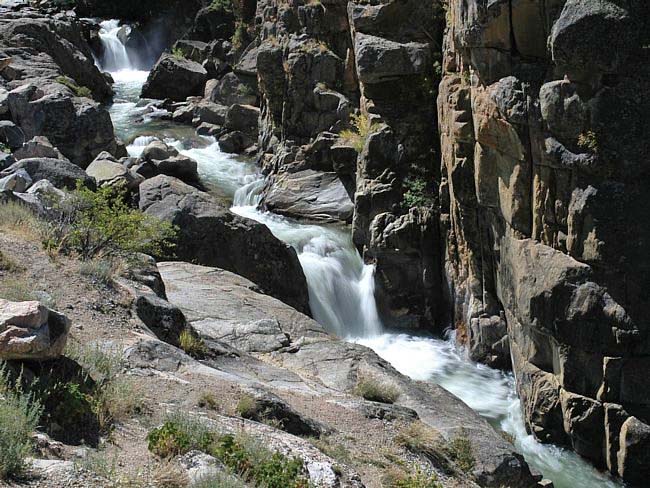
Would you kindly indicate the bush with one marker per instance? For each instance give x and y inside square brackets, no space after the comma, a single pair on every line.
[101,225]
[460,451]
[240,37]
[376,390]
[179,434]
[221,6]
[178,53]
[99,270]
[588,141]
[418,437]
[399,479]
[80,91]
[192,344]
[417,193]
[259,465]
[247,407]
[208,401]
[19,416]
[356,137]
[219,480]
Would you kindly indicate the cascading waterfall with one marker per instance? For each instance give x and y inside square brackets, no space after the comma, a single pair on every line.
[341,292]
[116,57]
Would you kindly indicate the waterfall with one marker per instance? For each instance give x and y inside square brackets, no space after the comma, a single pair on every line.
[341,286]
[116,57]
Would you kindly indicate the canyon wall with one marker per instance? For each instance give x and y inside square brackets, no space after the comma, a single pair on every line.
[544,202]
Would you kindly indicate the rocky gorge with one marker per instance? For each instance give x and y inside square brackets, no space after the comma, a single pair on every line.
[406,242]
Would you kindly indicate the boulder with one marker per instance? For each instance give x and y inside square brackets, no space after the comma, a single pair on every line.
[60,172]
[17,182]
[107,171]
[38,147]
[31,331]
[11,135]
[166,160]
[175,78]
[243,118]
[379,60]
[230,90]
[6,160]
[309,194]
[235,142]
[210,234]
[634,452]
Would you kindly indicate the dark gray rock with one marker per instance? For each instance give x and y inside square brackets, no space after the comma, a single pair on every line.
[175,78]
[11,135]
[61,173]
[210,234]
[231,89]
[243,118]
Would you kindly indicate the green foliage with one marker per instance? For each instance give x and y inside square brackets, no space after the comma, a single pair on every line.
[192,344]
[417,193]
[80,91]
[418,479]
[209,401]
[179,434]
[258,465]
[240,36]
[19,415]
[99,270]
[4,148]
[178,53]
[219,480]
[376,390]
[247,407]
[460,451]
[100,224]
[362,127]
[221,6]
[588,141]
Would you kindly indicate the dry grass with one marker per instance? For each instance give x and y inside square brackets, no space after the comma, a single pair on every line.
[192,344]
[376,390]
[19,220]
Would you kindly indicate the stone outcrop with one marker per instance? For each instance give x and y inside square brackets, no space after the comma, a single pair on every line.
[60,172]
[542,189]
[31,331]
[46,79]
[210,234]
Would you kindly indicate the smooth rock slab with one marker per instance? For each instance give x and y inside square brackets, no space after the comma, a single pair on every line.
[29,330]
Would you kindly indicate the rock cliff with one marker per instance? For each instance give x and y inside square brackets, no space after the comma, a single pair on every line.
[543,191]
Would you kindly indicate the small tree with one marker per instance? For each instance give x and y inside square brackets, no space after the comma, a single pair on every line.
[101,224]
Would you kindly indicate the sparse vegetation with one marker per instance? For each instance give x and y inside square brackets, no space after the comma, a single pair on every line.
[19,415]
[417,193]
[99,270]
[361,129]
[219,480]
[178,53]
[418,437]
[221,5]
[460,451]
[376,390]
[247,407]
[80,91]
[4,148]
[588,141]
[240,36]
[209,402]
[179,434]
[192,344]
[7,264]
[332,449]
[101,225]
[19,219]
[399,479]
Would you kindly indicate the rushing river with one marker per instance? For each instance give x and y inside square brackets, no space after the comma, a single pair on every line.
[341,286]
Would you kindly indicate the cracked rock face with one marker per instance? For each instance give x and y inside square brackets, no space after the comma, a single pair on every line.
[543,184]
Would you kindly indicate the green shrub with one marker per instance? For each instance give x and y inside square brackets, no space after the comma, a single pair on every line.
[417,193]
[221,6]
[247,407]
[192,344]
[19,416]
[240,36]
[588,141]
[376,391]
[178,53]
[259,465]
[179,434]
[399,479]
[4,148]
[80,91]
[209,401]
[219,480]
[460,451]
[101,225]
[361,129]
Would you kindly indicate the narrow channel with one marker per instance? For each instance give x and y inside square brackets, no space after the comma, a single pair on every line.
[341,286]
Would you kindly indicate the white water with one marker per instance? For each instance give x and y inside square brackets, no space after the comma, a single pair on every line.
[115,57]
[341,291]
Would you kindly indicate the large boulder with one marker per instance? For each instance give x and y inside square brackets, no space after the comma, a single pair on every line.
[243,118]
[107,171]
[60,172]
[166,160]
[38,147]
[211,235]
[229,90]
[10,134]
[309,194]
[176,78]
[29,330]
